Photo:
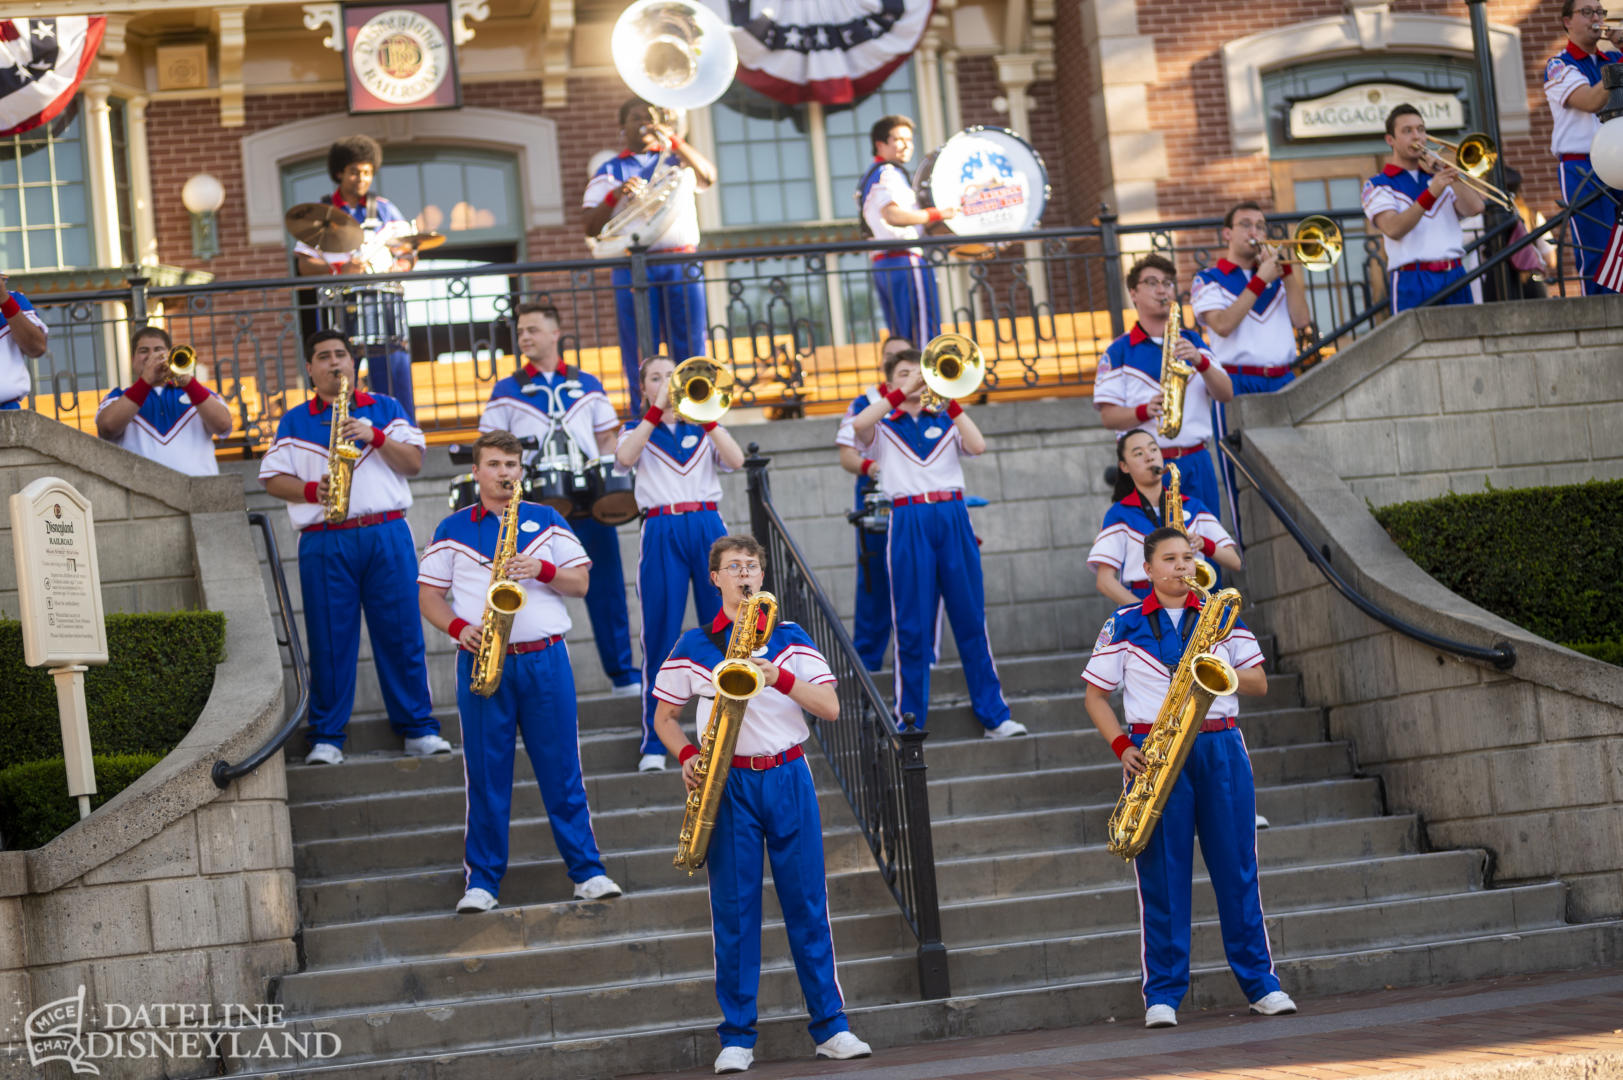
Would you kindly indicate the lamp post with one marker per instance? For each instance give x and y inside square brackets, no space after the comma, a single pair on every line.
[1488,117]
[203,196]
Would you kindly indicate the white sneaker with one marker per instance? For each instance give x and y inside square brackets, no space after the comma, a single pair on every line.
[628,690]
[1006,730]
[734,1059]
[1262,822]
[652,763]
[475,900]
[323,753]
[1160,1016]
[842,1046]
[601,887]
[1277,1003]
[424,745]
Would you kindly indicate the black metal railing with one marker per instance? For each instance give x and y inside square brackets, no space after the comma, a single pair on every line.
[287,636]
[879,762]
[1502,655]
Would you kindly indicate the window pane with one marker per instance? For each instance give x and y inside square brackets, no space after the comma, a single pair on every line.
[37,206]
[403,186]
[8,164]
[70,161]
[762,147]
[70,204]
[36,163]
[11,211]
[1309,195]
[1345,192]
[41,249]
[76,247]
[11,249]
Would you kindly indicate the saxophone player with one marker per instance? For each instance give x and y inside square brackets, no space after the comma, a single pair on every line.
[1127,388]
[536,694]
[1137,651]
[362,562]
[770,801]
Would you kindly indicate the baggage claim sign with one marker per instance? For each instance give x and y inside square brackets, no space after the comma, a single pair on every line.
[400,57]
[1362,109]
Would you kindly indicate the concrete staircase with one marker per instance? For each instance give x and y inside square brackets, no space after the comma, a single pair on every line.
[1041,922]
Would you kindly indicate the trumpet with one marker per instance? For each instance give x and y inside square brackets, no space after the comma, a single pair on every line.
[1315,243]
[182,364]
[1474,156]
[953,367]
[701,390]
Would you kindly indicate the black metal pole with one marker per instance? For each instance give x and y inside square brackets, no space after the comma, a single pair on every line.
[934,979]
[640,307]
[1115,294]
[760,526]
[1488,110]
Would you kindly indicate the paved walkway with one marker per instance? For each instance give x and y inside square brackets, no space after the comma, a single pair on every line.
[1458,1029]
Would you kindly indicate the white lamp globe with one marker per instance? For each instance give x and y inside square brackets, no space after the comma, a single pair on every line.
[203,194]
[1606,153]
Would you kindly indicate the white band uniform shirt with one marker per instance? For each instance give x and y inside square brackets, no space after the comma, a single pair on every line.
[1436,237]
[1265,337]
[1573,130]
[870,625]
[1129,656]
[916,456]
[889,185]
[847,433]
[679,464]
[1120,543]
[1571,138]
[904,283]
[1130,375]
[300,450]
[16,380]
[683,234]
[168,430]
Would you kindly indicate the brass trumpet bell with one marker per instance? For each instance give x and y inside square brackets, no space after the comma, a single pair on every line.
[701,390]
[182,363]
[953,367]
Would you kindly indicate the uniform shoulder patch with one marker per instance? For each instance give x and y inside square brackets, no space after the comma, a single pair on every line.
[1106,634]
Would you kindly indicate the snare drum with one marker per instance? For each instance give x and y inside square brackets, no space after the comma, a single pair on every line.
[995,179]
[614,499]
[551,484]
[371,316]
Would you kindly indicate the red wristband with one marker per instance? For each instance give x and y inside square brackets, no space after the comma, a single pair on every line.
[711,426]
[934,214]
[1208,545]
[1120,744]
[1286,272]
[138,391]
[654,415]
[896,397]
[1202,362]
[456,628]
[954,410]
[867,463]
[378,437]
[9,306]
[611,198]
[786,681]
[547,573]
[1142,412]
[1256,285]
[1427,199]
[196,391]
[675,141]
[312,492]
[687,751]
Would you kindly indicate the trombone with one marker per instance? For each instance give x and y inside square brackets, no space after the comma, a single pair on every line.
[701,390]
[1316,243]
[953,367]
[1474,156]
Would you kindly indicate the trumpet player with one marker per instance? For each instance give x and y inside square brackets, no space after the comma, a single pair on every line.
[1253,302]
[1416,202]
[536,694]
[164,416]
[1572,86]
[770,801]
[1137,650]
[364,562]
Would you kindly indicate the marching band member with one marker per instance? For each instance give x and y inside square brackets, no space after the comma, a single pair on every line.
[770,800]
[931,552]
[1139,648]
[676,305]
[679,467]
[172,425]
[364,563]
[525,404]
[890,210]
[1419,215]
[1572,85]
[1127,388]
[536,694]
[23,337]
[1137,511]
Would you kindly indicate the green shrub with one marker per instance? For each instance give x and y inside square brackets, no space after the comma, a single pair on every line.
[34,803]
[159,671]
[1527,555]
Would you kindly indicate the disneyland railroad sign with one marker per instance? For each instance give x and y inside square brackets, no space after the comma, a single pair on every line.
[400,57]
[1362,109]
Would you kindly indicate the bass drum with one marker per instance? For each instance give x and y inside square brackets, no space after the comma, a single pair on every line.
[994,179]
[551,485]
[614,499]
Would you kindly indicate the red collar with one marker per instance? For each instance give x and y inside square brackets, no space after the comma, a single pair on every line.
[877,160]
[1133,498]
[1394,170]
[722,622]
[1152,604]
[318,404]
[1576,53]
[1137,335]
[338,199]
[479,511]
[1227,267]
[535,373]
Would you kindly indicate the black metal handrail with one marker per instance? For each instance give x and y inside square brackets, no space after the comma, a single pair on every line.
[878,762]
[287,636]
[1502,655]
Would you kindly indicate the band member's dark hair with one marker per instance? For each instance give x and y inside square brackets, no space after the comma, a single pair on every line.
[1150,262]
[880,132]
[1400,110]
[504,441]
[894,360]
[536,307]
[1566,8]
[1124,481]
[351,149]
[632,103]
[1159,537]
[328,334]
[1249,204]
[738,542]
[150,331]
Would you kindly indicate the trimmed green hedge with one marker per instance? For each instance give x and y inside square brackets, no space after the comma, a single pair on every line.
[1527,555]
[159,671]
[34,801]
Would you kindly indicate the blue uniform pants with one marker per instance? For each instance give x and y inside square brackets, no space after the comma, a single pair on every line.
[933,562]
[1411,288]
[1591,226]
[1214,797]
[906,288]
[871,625]
[674,553]
[341,574]
[606,599]
[390,373]
[677,309]
[1198,478]
[776,808]
[537,697]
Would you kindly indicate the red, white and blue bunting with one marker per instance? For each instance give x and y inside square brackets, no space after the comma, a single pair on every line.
[42,62]
[832,51]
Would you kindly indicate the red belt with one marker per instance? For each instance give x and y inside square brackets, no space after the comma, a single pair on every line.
[894,255]
[759,764]
[1431,267]
[1180,451]
[685,249]
[1574,157]
[1211,723]
[678,508]
[356,522]
[928,497]
[519,648]
[1263,372]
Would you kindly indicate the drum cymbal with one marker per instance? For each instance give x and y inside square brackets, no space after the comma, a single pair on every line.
[323,227]
[420,241]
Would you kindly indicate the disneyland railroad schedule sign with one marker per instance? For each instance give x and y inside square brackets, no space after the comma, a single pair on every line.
[1362,110]
[400,57]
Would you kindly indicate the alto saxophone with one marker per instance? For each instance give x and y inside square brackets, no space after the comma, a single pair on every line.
[1175,376]
[1201,678]
[342,454]
[1172,514]
[736,681]
[502,602]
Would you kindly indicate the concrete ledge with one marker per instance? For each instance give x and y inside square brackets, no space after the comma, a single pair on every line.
[1557,1067]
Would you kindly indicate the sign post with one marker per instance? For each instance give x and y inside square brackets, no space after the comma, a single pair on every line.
[59,593]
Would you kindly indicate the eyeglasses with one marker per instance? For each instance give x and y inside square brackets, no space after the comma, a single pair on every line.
[1591,12]
[739,569]
[1158,283]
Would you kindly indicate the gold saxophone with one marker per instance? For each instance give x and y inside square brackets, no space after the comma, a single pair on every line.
[502,602]
[736,681]
[1201,678]
[1175,376]
[342,454]
[1172,514]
